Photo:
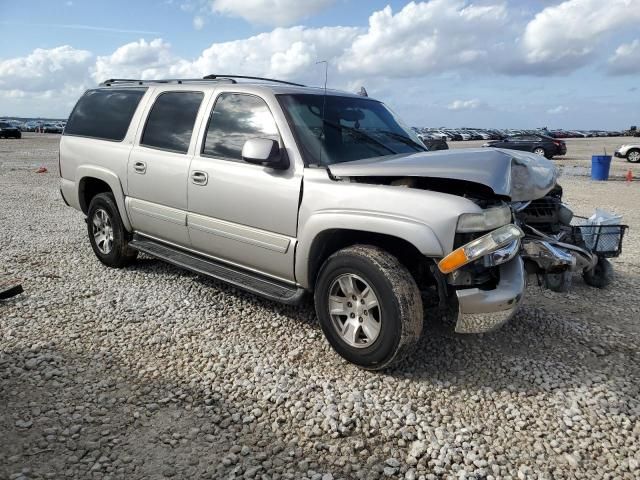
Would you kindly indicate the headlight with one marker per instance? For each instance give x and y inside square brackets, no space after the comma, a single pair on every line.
[480,247]
[485,220]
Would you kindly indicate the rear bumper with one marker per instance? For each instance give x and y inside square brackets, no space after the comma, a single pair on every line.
[482,311]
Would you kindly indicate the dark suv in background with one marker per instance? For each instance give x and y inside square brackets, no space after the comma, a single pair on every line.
[9,131]
[539,144]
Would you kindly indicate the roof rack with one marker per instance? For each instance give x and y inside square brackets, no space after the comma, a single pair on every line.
[207,78]
[118,81]
[216,77]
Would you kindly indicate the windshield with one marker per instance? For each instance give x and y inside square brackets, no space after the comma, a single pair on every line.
[353,128]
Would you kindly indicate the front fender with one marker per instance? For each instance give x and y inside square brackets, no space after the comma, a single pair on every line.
[419,234]
[111,179]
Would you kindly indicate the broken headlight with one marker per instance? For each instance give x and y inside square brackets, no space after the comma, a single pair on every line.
[488,219]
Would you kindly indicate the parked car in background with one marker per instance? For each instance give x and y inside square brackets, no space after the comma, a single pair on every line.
[9,131]
[630,151]
[538,144]
[52,128]
[434,143]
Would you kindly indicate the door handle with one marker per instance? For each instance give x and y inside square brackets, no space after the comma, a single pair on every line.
[140,167]
[199,178]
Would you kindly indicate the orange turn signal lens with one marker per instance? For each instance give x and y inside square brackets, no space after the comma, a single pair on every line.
[453,261]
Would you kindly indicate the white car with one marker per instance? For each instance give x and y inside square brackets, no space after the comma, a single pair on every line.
[630,151]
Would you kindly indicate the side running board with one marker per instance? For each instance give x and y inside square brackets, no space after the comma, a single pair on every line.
[252,282]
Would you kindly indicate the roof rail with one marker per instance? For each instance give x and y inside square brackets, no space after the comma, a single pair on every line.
[222,77]
[118,81]
[209,78]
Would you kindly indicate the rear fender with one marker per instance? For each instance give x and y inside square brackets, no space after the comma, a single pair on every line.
[111,179]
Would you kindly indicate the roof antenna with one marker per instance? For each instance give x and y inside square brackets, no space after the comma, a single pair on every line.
[363,92]
[324,105]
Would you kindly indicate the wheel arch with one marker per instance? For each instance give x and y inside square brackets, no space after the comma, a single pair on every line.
[92,180]
[311,254]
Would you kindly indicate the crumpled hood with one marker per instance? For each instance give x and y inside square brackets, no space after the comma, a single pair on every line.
[521,176]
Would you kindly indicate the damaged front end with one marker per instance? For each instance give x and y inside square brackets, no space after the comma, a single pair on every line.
[558,243]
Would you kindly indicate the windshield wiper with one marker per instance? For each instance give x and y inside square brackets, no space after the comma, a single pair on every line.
[362,134]
[403,139]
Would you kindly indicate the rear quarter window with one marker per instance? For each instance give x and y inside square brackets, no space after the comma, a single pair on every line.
[104,113]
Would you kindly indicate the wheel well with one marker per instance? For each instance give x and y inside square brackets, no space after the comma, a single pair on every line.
[330,241]
[89,188]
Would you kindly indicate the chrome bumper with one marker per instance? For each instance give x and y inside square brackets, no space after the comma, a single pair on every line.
[481,311]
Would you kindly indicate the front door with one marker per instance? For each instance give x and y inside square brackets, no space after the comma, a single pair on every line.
[241,213]
[159,166]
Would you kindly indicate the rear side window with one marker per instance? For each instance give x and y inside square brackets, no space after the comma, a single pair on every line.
[171,120]
[104,113]
[235,119]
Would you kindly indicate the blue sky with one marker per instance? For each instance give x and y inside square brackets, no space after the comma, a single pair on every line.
[571,64]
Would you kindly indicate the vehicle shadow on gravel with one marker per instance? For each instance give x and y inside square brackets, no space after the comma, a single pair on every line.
[536,344]
[537,351]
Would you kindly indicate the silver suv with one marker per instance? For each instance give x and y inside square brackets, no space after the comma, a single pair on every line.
[281,189]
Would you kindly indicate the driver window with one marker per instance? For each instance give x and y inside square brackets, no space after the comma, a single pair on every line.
[236,118]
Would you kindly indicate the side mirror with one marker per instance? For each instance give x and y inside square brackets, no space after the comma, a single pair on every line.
[264,151]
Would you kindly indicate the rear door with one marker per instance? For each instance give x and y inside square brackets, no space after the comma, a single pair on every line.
[158,166]
[241,213]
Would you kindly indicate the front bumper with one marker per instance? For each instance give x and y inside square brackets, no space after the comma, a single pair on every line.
[482,311]
[619,154]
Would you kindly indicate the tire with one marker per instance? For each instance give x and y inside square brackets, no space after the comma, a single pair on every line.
[540,151]
[377,336]
[558,282]
[599,276]
[633,155]
[112,247]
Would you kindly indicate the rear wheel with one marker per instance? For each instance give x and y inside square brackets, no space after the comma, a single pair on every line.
[599,276]
[633,156]
[107,234]
[369,306]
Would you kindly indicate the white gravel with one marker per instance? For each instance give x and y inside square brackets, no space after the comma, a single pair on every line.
[152,372]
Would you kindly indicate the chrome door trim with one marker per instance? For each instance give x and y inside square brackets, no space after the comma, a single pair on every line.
[217,259]
[240,233]
[160,212]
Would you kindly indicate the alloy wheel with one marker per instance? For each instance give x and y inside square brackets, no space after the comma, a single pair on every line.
[355,310]
[102,231]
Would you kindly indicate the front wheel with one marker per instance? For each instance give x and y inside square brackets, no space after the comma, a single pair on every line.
[633,156]
[599,276]
[369,306]
[107,234]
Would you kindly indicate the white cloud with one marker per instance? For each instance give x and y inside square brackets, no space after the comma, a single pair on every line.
[198,22]
[427,37]
[626,59]
[270,12]
[564,37]
[139,59]
[45,69]
[289,53]
[465,104]
[558,110]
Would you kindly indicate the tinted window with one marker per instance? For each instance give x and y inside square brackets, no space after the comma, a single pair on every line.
[335,129]
[235,119]
[171,121]
[104,113]
[4,125]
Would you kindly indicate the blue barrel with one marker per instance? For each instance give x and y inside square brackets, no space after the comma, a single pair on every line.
[600,165]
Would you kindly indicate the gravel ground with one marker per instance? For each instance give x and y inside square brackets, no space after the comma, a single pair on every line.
[152,372]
